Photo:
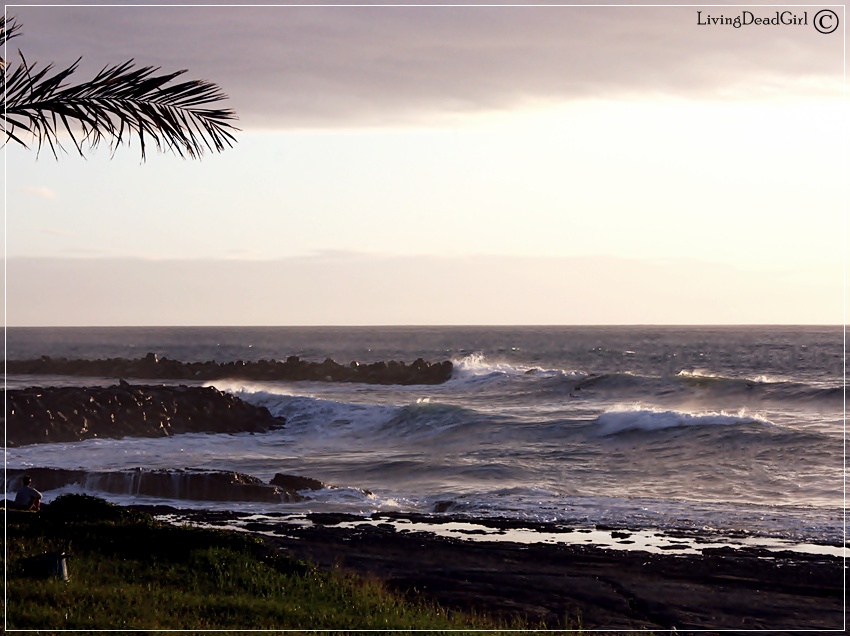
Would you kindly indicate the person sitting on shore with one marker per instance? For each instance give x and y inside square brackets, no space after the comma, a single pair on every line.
[28,498]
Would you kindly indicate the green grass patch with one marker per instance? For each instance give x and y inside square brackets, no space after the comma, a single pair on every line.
[128,571]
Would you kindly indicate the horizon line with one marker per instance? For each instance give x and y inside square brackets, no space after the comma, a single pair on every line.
[428,326]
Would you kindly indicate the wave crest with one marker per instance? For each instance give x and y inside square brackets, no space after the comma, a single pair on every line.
[637,419]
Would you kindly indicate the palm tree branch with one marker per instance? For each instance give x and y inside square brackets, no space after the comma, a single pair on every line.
[120,100]
[8,30]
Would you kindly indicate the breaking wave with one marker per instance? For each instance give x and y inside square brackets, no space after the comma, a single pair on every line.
[323,418]
[477,369]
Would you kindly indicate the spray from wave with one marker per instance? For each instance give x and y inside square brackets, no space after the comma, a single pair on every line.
[476,368]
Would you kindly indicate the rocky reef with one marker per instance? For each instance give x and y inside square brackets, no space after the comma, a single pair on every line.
[291,369]
[64,414]
[183,484]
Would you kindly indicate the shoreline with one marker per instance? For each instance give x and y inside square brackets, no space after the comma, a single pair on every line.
[741,587]
[655,540]
[234,496]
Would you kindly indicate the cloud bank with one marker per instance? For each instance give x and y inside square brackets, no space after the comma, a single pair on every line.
[345,289]
[295,67]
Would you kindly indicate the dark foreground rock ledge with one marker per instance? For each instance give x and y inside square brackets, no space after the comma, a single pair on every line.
[292,369]
[66,414]
[603,588]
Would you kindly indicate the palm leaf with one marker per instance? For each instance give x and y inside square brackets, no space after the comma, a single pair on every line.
[120,102]
[8,30]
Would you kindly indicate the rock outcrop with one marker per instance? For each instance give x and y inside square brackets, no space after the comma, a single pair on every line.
[187,484]
[65,414]
[296,483]
[291,369]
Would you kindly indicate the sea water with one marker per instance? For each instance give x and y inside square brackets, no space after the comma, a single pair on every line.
[722,429]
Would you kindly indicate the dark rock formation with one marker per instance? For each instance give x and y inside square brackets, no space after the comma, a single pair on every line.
[64,414]
[189,484]
[193,485]
[295,483]
[292,369]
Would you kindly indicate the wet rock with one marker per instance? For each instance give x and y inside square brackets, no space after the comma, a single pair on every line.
[295,483]
[44,479]
[190,485]
[332,518]
[442,505]
[64,414]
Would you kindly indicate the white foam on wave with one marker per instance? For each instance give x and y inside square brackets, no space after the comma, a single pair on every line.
[327,421]
[477,368]
[245,389]
[306,411]
[650,419]
[300,407]
[697,373]
[705,374]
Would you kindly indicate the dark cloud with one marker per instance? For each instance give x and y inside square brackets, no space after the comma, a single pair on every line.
[343,66]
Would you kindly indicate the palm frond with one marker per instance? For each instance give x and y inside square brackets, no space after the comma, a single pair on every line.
[8,30]
[121,101]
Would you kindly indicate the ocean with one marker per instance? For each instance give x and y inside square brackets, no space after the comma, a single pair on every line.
[718,429]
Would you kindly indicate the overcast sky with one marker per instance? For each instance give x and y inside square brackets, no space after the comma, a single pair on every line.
[448,165]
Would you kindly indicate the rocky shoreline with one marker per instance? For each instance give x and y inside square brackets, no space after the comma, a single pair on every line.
[293,369]
[555,585]
[600,576]
[40,415]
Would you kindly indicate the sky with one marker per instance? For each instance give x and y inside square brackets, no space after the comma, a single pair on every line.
[487,165]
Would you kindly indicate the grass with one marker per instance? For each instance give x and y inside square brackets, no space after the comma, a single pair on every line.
[128,571]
